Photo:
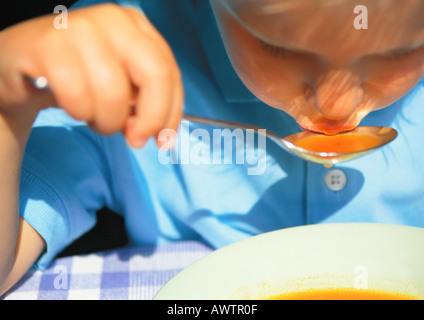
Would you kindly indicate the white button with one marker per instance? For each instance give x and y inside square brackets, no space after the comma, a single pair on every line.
[335,180]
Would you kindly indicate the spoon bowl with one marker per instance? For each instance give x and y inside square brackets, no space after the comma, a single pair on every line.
[316,147]
[341,147]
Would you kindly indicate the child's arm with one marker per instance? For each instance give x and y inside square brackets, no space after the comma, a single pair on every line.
[109,59]
[20,245]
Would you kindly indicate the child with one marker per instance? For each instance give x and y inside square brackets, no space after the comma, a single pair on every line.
[307,65]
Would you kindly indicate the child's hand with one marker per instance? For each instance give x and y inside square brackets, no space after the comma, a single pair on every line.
[108,60]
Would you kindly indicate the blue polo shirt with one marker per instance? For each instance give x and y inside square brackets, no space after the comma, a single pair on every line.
[216,186]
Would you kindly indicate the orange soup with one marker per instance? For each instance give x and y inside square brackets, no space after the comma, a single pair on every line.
[342,294]
[341,143]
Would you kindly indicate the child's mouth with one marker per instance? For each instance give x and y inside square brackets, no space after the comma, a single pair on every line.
[327,130]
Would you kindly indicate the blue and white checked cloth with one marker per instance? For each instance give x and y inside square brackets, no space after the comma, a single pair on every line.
[133,273]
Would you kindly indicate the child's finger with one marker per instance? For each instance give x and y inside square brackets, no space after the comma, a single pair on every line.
[146,28]
[67,79]
[153,73]
[109,86]
[176,113]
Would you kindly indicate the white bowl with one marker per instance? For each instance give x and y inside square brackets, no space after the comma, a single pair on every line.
[360,256]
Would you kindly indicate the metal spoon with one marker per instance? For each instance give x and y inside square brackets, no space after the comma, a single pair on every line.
[288,143]
[384,135]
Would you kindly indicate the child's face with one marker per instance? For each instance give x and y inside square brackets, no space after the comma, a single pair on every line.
[313,63]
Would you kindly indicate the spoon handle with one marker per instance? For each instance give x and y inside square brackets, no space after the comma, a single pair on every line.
[224,123]
[243,126]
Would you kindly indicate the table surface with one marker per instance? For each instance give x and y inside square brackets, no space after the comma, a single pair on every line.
[130,273]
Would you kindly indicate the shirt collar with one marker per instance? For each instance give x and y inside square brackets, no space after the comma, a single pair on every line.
[230,84]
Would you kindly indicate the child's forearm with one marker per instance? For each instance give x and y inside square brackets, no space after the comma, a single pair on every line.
[14,132]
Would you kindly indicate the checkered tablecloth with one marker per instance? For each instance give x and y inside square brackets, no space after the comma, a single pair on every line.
[133,273]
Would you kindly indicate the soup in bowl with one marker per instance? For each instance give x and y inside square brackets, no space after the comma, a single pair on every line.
[345,261]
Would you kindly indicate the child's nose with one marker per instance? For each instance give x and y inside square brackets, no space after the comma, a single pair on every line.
[336,94]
